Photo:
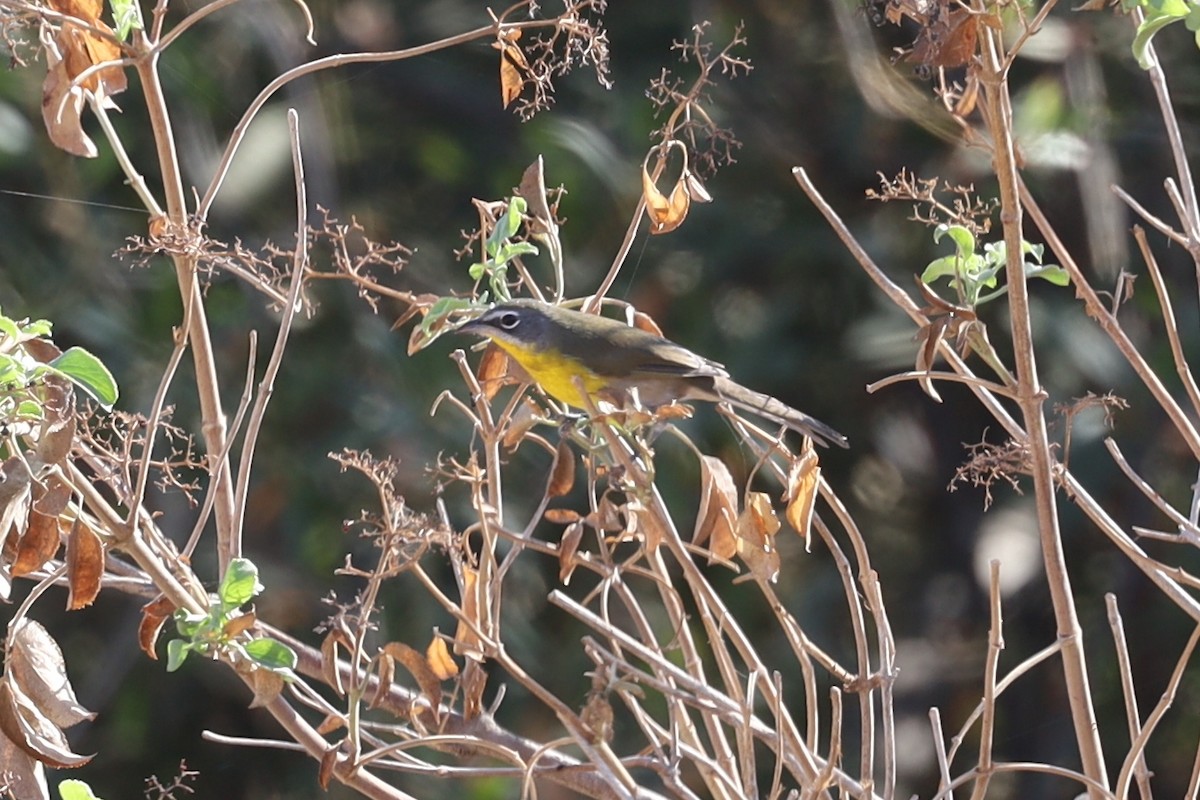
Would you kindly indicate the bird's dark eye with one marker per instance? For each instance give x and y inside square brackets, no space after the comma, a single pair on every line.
[509,320]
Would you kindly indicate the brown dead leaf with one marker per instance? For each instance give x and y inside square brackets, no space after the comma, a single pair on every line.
[23,776]
[36,664]
[567,547]
[597,716]
[522,422]
[562,472]
[804,477]
[466,643]
[645,322]
[37,545]
[950,40]
[561,516]
[717,517]
[330,724]
[240,624]
[336,637]
[474,681]
[385,673]
[666,214]
[266,685]
[29,729]
[154,616]
[756,531]
[513,65]
[329,760]
[414,661]
[496,370]
[85,566]
[440,661]
[54,445]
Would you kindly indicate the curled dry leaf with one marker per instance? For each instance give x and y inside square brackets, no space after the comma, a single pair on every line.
[645,322]
[513,65]
[440,661]
[54,444]
[717,517]
[597,715]
[24,777]
[85,566]
[666,214]
[329,760]
[36,664]
[154,615]
[414,661]
[266,685]
[466,642]
[804,477]
[385,673]
[522,422]
[497,370]
[28,728]
[329,658]
[756,531]
[240,624]
[561,516]
[562,471]
[567,548]
[37,545]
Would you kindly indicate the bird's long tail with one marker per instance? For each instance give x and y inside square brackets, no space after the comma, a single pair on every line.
[777,411]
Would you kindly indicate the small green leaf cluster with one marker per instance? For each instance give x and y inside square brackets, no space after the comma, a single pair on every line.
[127,18]
[971,272]
[499,249]
[27,357]
[221,629]
[1158,15]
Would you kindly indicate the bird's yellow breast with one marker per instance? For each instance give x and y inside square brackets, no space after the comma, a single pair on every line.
[557,374]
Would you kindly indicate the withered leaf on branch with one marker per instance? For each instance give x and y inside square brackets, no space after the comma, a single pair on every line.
[154,615]
[562,471]
[85,566]
[756,531]
[803,481]
[71,51]
[466,642]
[497,370]
[24,776]
[266,685]
[665,213]
[385,674]
[36,664]
[26,726]
[717,517]
[513,65]
[414,661]
[37,545]
[440,661]
[561,516]
[567,547]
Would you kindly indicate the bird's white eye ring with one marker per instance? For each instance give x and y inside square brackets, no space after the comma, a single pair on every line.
[509,320]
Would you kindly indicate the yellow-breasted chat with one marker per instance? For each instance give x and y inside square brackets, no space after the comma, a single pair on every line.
[564,350]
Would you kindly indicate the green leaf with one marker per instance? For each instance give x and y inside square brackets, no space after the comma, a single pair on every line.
[9,329]
[964,240]
[29,409]
[240,583]
[72,789]
[11,371]
[89,373]
[39,327]
[506,226]
[476,272]
[441,309]
[127,17]
[272,654]
[177,653]
[1153,23]
[1051,272]
[510,250]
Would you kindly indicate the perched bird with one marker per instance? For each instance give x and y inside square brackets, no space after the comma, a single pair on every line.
[563,349]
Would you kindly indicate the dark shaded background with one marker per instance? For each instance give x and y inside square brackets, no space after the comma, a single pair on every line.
[756,280]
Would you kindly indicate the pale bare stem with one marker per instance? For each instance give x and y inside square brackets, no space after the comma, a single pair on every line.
[1008,680]
[1152,220]
[135,179]
[210,496]
[886,678]
[267,386]
[207,385]
[1155,570]
[1187,532]
[1109,324]
[1138,747]
[1132,716]
[862,680]
[987,727]
[997,106]
[1182,368]
[1158,79]
[592,304]
[953,377]
[939,747]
